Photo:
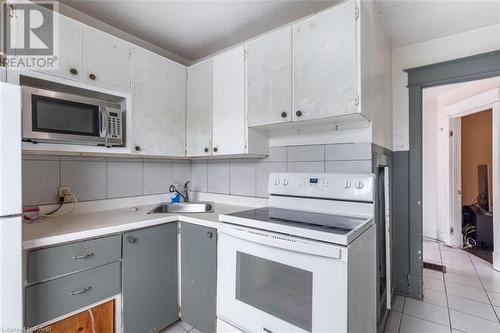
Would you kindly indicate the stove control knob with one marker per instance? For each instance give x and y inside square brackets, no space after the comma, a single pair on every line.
[359,185]
[277,181]
[347,184]
[285,181]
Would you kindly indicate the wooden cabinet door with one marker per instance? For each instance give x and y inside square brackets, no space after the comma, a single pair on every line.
[199,276]
[100,318]
[199,109]
[229,133]
[106,60]
[149,288]
[324,63]
[158,105]
[269,78]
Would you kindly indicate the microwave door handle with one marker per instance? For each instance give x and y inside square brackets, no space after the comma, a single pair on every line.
[102,124]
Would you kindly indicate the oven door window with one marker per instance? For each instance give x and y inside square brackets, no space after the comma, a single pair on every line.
[54,115]
[282,291]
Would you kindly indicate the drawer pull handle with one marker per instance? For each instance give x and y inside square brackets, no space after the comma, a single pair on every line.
[80,291]
[83,256]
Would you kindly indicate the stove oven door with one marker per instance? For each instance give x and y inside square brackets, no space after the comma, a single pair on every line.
[270,282]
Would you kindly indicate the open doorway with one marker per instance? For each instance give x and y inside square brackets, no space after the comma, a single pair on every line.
[459,170]
[476,161]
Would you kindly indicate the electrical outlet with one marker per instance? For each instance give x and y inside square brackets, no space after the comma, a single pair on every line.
[65,193]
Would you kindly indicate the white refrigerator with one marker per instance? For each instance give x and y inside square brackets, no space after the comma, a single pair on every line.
[11,304]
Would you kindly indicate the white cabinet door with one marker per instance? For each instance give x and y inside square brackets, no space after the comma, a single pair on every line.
[69,64]
[158,105]
[324,59]
[199,109]
[269,78]
[174,126]
[106,60]
[229,102]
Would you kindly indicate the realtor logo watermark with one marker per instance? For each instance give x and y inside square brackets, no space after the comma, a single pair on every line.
[30,34]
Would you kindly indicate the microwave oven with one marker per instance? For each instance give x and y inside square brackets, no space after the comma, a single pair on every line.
[53,116]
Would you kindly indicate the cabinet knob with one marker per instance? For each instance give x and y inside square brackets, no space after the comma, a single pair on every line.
[131,239]
[210,234]
[215,149]
[283,114]
[73,71]
[137,148]
[298,113]
[205,150]
[92,77]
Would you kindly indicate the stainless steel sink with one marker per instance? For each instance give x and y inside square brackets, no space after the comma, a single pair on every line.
[183,207]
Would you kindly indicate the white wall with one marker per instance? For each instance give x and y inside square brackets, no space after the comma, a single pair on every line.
[430,174]
[438,50]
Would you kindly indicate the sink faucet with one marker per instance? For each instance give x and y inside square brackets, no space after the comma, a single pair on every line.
[184,194]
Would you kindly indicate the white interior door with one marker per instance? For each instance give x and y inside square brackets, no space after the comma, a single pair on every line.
[496,185]
[455,182]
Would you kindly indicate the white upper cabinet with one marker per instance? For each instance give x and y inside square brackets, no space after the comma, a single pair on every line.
[269,78]
[70,49]
[106,60]
[325,63]
[158,105]
[174,126]
[199,109]
[229,126]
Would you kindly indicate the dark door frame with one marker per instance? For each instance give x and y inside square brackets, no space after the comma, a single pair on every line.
[471,68]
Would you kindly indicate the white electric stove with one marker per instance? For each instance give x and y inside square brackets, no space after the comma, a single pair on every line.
[306,263]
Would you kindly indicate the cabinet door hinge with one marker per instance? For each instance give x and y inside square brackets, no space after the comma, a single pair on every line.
[451,132]
[187,74]
[356,13]
[356,100]
[245,54]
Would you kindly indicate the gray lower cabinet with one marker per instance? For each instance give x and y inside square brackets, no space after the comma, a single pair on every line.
[149,286]
[199,276]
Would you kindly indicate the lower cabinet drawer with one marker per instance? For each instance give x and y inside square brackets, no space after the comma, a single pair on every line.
[52,299]
[53,262]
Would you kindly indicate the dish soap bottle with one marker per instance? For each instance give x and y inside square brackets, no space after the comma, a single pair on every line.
[174,196]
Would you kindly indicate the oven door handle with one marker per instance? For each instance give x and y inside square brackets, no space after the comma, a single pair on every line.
[283,242]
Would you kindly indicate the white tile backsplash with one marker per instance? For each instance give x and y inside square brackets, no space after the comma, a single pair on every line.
[125,179]
[157,177]
[218,176]
[86,178]
[40,181]
[96,178]
[306,153]
[249,177]
[242,178]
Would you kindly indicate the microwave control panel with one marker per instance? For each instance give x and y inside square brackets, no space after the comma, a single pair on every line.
[114,124]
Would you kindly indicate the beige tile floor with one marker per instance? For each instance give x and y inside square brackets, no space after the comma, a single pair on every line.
[464,299]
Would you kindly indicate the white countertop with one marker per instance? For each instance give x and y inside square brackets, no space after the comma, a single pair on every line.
[56,230]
